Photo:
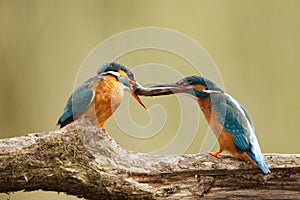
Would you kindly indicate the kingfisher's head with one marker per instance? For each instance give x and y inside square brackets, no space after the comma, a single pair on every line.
[123,75]
[116,67]
[197,86]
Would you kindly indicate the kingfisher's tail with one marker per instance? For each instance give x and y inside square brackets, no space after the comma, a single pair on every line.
[259,160]
[264,167]
[65,119]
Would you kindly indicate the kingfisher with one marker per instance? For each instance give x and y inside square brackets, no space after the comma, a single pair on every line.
[227,118]
[98,97]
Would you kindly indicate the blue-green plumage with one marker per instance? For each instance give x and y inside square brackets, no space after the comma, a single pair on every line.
[83,95]
[232,119]
[108,97]
[80,99]
[115,66]
[237,122]
[231,115]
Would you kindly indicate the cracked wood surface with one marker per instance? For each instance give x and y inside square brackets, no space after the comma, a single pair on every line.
[84,161]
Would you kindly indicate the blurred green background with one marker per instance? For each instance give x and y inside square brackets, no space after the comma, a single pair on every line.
[255,45]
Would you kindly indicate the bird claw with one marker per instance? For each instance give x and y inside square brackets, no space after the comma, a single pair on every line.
[215,154]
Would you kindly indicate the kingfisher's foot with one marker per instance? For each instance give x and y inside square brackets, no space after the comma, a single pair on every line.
[215,154]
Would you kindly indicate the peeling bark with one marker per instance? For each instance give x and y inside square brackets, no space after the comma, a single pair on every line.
[84,161]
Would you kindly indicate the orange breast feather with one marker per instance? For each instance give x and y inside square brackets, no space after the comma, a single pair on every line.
[225,139]
[108,96]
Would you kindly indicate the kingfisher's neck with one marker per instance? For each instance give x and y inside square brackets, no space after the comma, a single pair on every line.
[204,103]
[207,104]
[206,107]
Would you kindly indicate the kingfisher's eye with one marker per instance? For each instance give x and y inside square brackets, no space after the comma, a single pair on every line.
[190,82]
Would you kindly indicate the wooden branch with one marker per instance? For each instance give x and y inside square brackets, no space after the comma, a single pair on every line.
[84,161]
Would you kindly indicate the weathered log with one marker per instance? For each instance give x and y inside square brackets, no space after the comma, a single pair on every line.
[84,161]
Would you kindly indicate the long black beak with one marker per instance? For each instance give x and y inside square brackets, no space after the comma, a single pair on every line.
[157,90]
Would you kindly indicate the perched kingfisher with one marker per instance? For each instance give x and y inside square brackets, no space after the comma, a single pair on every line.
[227,118]
[99,96]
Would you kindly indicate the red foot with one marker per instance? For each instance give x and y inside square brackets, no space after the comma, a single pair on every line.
[215,154]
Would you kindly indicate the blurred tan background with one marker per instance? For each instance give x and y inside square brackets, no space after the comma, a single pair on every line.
[255,45]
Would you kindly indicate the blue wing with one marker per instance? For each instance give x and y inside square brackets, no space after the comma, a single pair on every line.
[247,116]
[234,121]
[237,122]
[78,102]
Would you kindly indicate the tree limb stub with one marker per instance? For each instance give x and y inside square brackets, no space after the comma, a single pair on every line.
[84,161]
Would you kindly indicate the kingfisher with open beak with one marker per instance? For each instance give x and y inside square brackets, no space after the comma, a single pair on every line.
[98,97]
[227,118]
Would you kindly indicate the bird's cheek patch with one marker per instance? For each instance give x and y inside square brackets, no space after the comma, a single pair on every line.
[122,74]
[200,88]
